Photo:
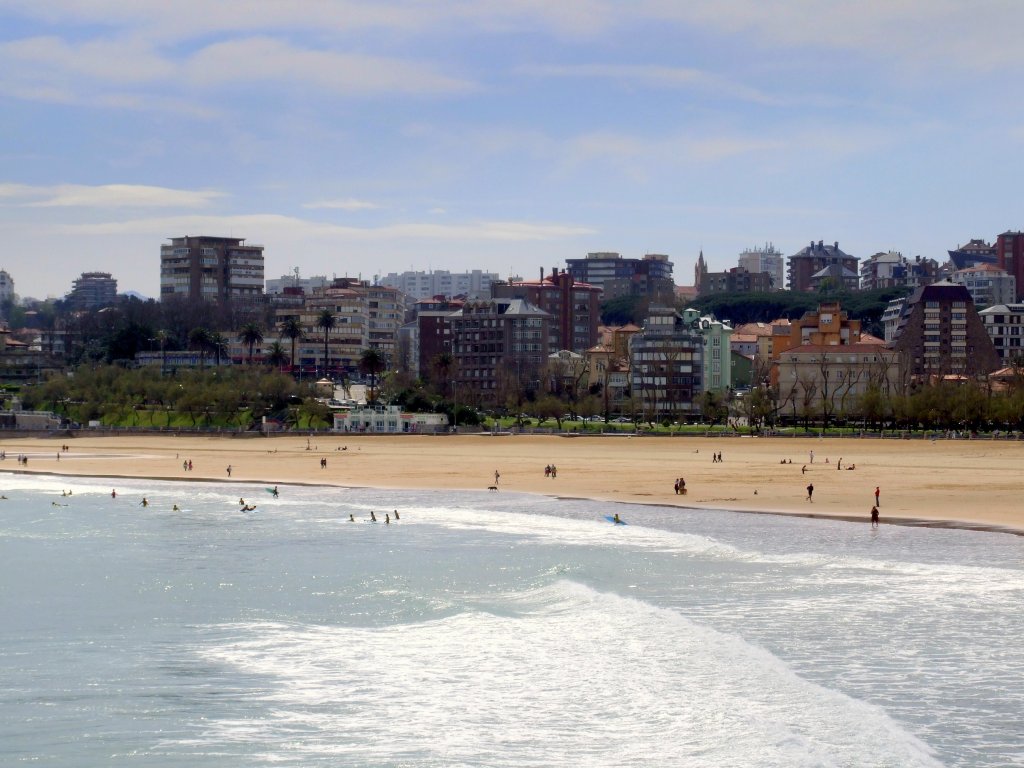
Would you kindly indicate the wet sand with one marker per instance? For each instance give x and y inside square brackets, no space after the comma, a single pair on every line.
[958,483]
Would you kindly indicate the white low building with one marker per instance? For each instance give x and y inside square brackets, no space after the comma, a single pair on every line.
[388,419]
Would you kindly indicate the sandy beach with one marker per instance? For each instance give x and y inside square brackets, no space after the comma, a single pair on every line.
[962,483]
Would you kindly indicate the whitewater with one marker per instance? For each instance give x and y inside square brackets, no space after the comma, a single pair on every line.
[492,629]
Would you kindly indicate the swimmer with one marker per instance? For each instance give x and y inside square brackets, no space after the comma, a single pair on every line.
[241,502]
[113,494]
[396,515]
[351,518]
[175,508]
[144,502]
[387,519]
[373,517]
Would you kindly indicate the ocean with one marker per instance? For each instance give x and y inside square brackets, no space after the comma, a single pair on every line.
[493,629]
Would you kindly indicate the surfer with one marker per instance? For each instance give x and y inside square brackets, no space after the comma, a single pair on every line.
[274,492]
[616,519]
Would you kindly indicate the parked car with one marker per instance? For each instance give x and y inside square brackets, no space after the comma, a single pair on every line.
[623,420]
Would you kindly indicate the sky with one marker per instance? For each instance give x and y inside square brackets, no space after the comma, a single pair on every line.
[361,138]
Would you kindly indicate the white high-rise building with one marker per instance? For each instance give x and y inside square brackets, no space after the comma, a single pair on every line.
[441,282]
[768,259]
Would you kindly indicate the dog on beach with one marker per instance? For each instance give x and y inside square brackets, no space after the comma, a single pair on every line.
[492,487]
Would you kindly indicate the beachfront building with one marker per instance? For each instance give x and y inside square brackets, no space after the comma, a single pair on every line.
[429,336]
[213,269]
[666,366]
[810,267]
[92,290]
[287,284]
[987,284]
[829,381]
[883,270]
[941,334]
[364,316]
[1004,324]
[976,252]
[716,372]
[608,365]
[500,348]
[768,259]
[734,280]
[1010,257]
[475,284]
[615,276]
[387,419]
[574,307]
[891,317]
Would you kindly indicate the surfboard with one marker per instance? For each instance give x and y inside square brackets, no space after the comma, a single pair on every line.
[611,519]
[269,490]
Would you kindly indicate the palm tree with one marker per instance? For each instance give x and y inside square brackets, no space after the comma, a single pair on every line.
[276,356]
[252,334]
[371,361]
[162,337]
[199,338]
[219,345]
[326,321]
[291,328]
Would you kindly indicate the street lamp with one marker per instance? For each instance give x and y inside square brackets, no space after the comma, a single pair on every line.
[455,407]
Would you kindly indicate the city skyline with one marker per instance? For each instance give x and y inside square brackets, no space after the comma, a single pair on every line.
[358,138]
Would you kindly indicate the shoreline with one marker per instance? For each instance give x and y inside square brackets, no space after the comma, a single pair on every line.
[956,484]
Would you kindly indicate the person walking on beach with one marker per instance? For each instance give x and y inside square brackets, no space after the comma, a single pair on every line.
[812,458]
[874,517]
[497,476]
[229,470]
[810,492]
[878,491]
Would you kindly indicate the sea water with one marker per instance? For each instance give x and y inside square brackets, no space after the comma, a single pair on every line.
[492,629]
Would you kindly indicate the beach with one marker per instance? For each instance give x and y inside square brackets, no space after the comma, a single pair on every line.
[961,483]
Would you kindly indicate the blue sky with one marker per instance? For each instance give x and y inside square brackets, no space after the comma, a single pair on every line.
[366,137]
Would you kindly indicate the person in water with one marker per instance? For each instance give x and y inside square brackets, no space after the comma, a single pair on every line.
[274,491]
[144,502]
[387,519]
[616,518]
[113,494]
[396,515]
[373,517]
[351,518]
[175,508]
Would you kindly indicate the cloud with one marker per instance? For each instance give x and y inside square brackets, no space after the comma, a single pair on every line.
[107,196]
[264,59]
[346,204]
[269,225]
[654,76]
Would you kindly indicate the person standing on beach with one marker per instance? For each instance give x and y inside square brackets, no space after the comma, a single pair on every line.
[812,458]
[497,476]
[810,492]
[874,517]
[229,470]
[878,491]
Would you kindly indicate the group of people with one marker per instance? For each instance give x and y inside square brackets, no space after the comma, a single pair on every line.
[550,471]
[716,458]
[373,517]
[680,486]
